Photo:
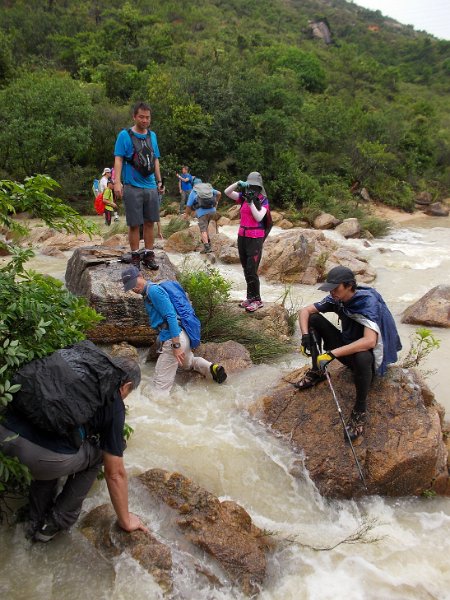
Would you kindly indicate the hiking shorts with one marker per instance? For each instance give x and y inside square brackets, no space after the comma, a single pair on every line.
[204,221]
[141,205]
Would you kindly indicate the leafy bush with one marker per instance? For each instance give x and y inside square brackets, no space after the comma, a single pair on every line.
[376,226]
[175,224]
[209,294]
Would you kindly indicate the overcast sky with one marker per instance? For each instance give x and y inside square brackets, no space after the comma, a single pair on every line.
[432,16]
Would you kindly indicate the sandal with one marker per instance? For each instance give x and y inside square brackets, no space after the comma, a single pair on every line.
[310,379]
[355,425]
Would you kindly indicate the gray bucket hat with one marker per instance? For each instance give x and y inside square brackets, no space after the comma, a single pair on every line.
[254,178]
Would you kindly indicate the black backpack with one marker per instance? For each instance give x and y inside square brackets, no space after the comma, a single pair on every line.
[143,159]
[63,390]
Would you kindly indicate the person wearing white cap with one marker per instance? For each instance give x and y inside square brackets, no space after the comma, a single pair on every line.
[103,185]
[251,195]
[367,342]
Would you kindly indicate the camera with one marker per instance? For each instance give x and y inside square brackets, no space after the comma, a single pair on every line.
[249,195]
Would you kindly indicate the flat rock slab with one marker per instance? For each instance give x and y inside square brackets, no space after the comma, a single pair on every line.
[223,530]
[100,527]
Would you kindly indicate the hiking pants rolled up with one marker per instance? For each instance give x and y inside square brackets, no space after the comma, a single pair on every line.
[46,468]
[361,363]
[167,365]
[250,252]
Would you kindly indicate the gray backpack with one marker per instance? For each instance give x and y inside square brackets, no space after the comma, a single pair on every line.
[205,196]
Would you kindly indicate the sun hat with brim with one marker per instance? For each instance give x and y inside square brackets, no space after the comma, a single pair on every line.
[129,278]
[106,170]
[254,178]
[335,277]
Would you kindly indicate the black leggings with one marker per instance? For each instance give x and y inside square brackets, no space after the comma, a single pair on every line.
[250,252]
[361,363]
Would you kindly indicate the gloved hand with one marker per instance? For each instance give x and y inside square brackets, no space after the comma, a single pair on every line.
[305,348]
[243,184]
[323,360]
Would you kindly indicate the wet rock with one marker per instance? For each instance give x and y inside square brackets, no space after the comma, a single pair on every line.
[125,350]
[99,526]
[276,216]
[223,221]
[325,221]
[90,274]
[401,453]
[184,241]
[424,198]
[234,212]
[349,228]
[437,209]
[231,355]
[272,318]
[432,310]
[305,256]
[223,530]
[285,224]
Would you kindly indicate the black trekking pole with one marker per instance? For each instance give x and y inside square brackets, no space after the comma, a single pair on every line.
[313,335]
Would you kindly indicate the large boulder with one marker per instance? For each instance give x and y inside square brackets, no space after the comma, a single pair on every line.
[402,451]
[100,527]
[95,273]
[305,256]
[222,530]
[432,310]
[437,209]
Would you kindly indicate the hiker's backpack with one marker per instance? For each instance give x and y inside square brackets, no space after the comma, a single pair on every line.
[62,391]
[267,222]
[95,187]
[205,196]
[99,205]
[184,309]
[143,158]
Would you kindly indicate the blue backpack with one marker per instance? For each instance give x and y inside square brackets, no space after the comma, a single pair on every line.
[189,320]
[95,187]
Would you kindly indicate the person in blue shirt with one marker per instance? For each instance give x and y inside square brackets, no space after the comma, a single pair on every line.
[175,350]
[204,215]
[140,192]
[185,184]
[367,343]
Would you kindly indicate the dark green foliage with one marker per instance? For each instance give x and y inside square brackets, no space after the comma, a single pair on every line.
[235,86]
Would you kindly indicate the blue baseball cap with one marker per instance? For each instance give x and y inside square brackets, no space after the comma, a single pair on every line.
[129,278]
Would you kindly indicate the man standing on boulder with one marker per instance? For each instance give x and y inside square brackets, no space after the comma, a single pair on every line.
[136,164]
[368,342]
[175,345]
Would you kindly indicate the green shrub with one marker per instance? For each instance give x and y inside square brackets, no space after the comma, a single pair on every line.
[209,294]
[175,224]
[376,226]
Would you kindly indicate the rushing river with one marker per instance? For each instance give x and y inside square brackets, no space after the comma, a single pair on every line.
[204,432]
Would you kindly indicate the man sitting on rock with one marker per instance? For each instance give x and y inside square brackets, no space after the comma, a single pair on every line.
[368,342]
[175,350]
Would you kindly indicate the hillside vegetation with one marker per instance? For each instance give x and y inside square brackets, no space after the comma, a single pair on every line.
[235,86]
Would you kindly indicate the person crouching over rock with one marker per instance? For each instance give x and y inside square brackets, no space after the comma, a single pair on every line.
[171,313]
[368,342]
[67,420]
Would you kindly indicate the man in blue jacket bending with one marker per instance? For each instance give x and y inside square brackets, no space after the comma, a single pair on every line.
[175,350]
[368,342]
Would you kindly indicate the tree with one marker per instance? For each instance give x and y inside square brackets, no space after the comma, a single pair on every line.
[44,123]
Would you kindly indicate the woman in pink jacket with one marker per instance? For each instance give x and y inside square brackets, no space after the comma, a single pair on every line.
[251,195]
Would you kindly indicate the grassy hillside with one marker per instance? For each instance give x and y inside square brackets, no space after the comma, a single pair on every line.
[235,85]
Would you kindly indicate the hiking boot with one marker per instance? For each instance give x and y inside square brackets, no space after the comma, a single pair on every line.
[245,303]
[355,425]
[149,260]
[206,249]
[47,531]
[135,260]
[218,373]
[254,305]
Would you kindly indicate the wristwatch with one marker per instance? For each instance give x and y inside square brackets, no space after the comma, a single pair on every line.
[176,345]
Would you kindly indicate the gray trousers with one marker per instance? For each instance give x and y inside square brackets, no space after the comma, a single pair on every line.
[46,468]
[167,365]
